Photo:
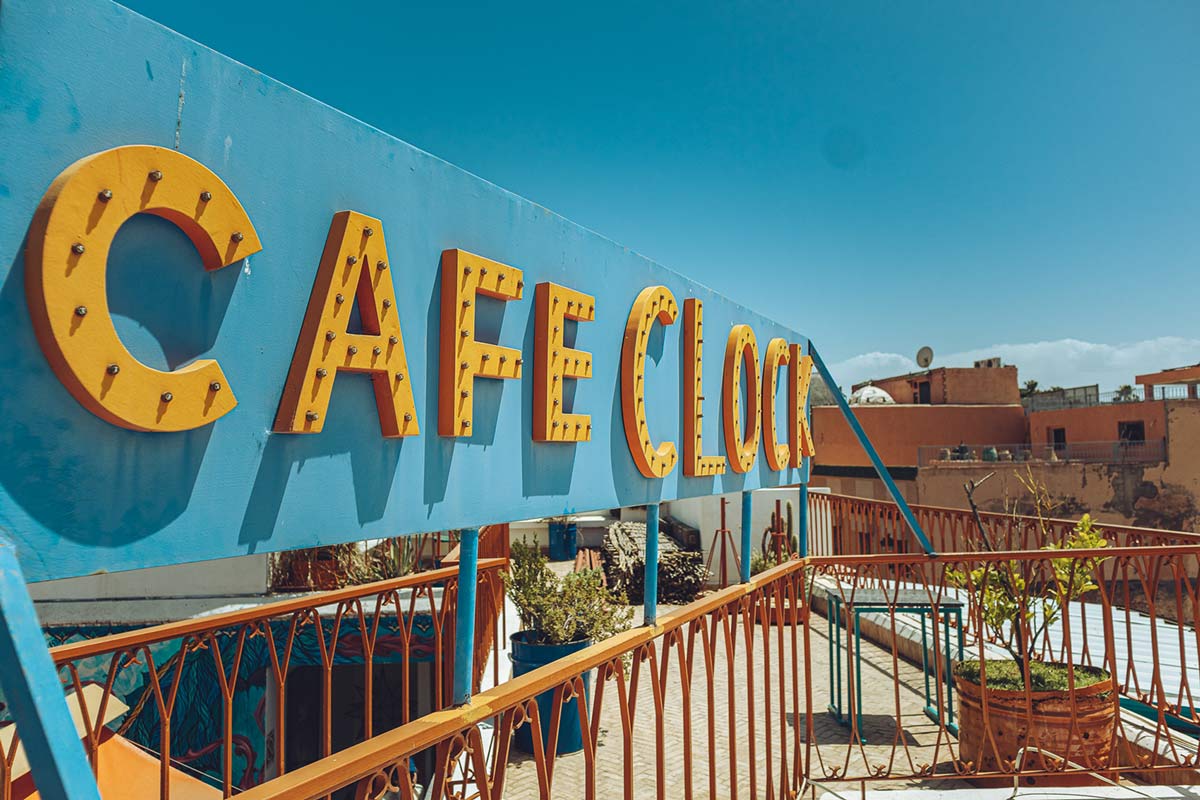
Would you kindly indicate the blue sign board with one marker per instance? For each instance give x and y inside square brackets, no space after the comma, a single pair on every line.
[81,491]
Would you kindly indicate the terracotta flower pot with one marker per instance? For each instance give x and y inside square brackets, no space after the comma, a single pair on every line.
[1083,731]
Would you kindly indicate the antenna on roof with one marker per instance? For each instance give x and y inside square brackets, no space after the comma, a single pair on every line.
[924,357]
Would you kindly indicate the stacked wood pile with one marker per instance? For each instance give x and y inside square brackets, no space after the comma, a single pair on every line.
[681,573]
[684,535]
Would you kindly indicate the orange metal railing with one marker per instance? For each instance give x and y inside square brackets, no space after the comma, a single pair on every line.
[728,696]
[1137,622]
[364,611]
[842,525]
[671,714]
[753,690]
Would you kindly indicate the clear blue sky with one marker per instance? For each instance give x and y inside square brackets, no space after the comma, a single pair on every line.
[975,176]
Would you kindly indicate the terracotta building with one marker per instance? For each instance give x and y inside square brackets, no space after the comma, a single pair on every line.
[935,406]
[1122,459]
[992,385]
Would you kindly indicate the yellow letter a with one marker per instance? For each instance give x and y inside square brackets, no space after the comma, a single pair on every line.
[354,264]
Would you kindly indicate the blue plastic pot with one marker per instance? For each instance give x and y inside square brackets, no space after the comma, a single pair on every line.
[527,657]
[563,544]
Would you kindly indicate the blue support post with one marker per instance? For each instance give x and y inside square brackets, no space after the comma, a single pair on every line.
[31,686]
[650,595]
[803,534]
[747,508]
[805,474]
[464,625]
[880,469]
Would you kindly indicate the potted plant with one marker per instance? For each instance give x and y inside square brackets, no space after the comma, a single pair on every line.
[1054,707]
[559,616]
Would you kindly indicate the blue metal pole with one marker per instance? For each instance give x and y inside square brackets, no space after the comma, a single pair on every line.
[31,685]
[650,595]
[803,536]
[747,507]
[464,626]
[805,474]
[880,469]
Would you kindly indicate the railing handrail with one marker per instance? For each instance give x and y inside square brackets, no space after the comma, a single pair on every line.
[919,507]
[155,634]
[329,774]
[1057,400]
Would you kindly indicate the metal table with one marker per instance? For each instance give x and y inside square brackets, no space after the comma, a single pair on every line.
[849,601]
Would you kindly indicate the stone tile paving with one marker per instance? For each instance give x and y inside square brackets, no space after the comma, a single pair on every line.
[897,750]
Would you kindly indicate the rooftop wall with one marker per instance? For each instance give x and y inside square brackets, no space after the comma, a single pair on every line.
[898,430]
[952,385]
[1099,423]
[984,385]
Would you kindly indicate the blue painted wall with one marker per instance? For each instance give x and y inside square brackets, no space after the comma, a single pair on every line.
[79,495]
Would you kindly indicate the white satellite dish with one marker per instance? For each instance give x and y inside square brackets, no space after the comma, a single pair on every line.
[924,357]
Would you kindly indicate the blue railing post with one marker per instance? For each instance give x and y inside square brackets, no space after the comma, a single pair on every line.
[880,468]
[31,686]
[803,534]
[650,585]
[464,624]
[747,508]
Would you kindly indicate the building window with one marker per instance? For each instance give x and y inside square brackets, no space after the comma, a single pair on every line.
[1058,438]
[1131,431]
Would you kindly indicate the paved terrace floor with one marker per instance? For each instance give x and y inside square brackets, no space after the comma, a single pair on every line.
[898,751]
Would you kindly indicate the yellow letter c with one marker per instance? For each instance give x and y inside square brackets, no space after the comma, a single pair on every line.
[65,281]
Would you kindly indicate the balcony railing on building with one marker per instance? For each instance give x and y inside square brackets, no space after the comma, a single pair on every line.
[1147,451]
[1088,396]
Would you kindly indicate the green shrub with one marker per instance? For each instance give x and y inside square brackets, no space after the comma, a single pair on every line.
[562,610]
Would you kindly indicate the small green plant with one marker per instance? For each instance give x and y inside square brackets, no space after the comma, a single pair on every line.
[1007,676]
[558,610]
[1019,603]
